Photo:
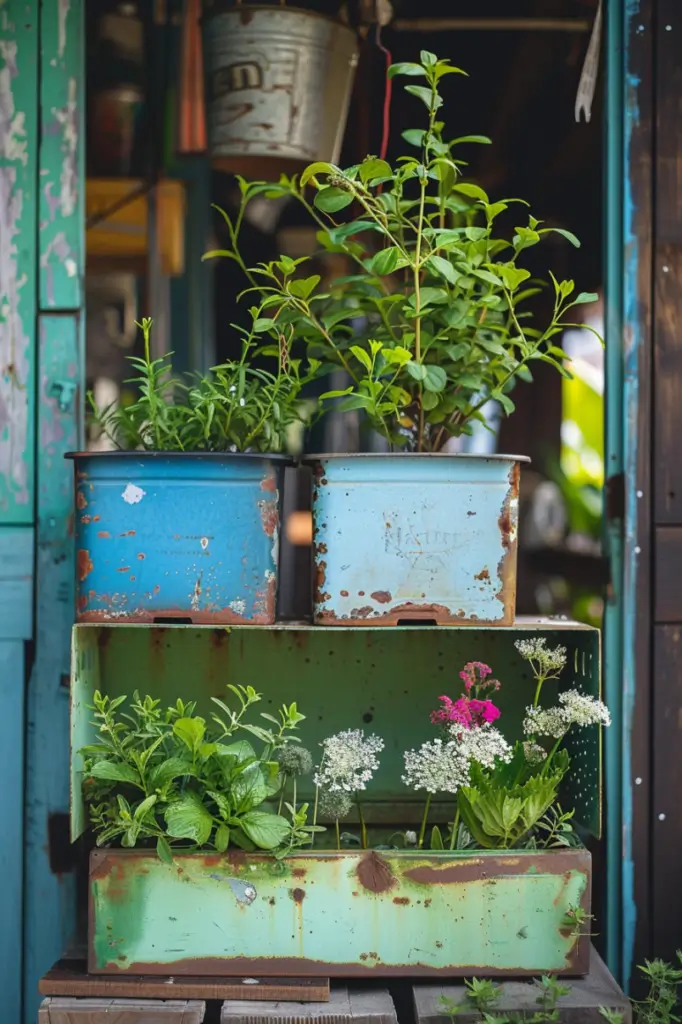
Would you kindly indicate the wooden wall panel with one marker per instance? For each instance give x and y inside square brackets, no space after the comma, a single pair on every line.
[668,376]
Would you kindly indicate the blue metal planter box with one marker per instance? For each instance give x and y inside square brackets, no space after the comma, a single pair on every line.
[347,914]
[167,536]
[415,536]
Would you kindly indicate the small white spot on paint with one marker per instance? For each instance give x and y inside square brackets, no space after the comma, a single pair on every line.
[666,269]
[640,494]
[250,981]
[238,606]
[133,494]
[638,781]
[638,551]
[70,267]
[661,817]
[204,542]
[668,28]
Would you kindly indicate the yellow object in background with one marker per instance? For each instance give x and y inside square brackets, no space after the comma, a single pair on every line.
[125,232]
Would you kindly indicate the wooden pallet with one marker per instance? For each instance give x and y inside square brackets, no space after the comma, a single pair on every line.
[69,977]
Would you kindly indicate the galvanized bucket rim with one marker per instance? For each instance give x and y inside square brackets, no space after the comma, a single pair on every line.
[263,456]
[282,9]
[493,457]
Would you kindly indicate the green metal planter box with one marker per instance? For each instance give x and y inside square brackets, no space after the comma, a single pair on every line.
[346,914]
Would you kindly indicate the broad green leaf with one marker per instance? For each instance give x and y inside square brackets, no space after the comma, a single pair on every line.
[144,806]
[414,136]
[584,298]
[472,191]
[397,356]
[317,168]
[444,69]
[190,731]
[436,838]
[249,788]
[222,838]
[337,394]
[114,772]
[267,831]
[475,234]
[241,751]
[427,58]
[429,296]
[485,275]
[436,378]
[332,199]
[413,70]
[362,357]
[429,400]
[187,818]
[164,851]
[458,351]
[373,168]
[565,234]
[443,267]
[512,276]
[303,287]
[504,400]
[262,324]
[422,93]
[416,370]
[356,401]
[385,261]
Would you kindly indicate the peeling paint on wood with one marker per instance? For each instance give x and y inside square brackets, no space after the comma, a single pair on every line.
[18,152]
[61,155]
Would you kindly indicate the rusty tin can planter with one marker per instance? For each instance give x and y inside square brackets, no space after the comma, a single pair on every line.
[342,914]
[279,82]
[163,536]
[403,537]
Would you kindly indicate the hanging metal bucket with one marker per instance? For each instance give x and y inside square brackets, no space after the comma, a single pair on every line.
[279,82]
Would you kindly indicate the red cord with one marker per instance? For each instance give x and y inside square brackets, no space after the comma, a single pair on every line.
[387,95]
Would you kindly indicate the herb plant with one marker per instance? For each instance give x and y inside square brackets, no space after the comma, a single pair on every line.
[433,323]
[169,776]
[236,407]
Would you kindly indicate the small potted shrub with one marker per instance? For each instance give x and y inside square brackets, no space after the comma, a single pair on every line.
[182,520]
[243,876]
[432,326]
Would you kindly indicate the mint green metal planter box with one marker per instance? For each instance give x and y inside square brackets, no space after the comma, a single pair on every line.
[346,914]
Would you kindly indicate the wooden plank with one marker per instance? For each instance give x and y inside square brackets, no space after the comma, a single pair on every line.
[117,1011]
[11,815]
[70,978]
[668,574]
[347,1005]
[18,210]
[16,582]
[668,142]
[582,1005]
[62,181]
[667,785]
[668,379]
[50,887]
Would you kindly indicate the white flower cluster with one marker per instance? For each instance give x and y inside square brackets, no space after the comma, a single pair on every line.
[437,767]
[484,744]
[348,761]
[574,709]
[535,649]
[534,753]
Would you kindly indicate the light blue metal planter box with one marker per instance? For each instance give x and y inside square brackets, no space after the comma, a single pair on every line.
[415,537]
[177,536]
[347,914]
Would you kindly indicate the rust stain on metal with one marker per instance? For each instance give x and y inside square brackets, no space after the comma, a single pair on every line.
[128,533]
[401,901]
[381,596]
[86,519]
[81,500]
[375,874]
[321,548]
[269,514]
[141,556]
[269,483]
[298,895]
[104,534]
[299,873]
[96,519]
[124,568]
[484,574]
[84,565]
[344,593]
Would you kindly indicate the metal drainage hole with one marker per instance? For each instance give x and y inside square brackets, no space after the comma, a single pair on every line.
[169,620]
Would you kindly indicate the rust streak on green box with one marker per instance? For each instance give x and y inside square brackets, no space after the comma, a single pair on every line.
[341,914]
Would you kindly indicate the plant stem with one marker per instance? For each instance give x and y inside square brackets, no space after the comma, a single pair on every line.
[363,827]
[422,830]
[281,795]
[338,835]
[455,830]
[538,688]
[317,799]
[294,796]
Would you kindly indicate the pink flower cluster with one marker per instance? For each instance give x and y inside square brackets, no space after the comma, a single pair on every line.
[471,712]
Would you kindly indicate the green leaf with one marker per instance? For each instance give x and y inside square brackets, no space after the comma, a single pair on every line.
[429,400]
[190,731]
[584,298]
[422,93]
[475,234]
[436,838]
[114,772]
[373,168]
[222,838]
[317,168]
[413,70]
[249,788]
[397,356]
[163,850]
[362,357]
[263,324]
[337,394]
[332,199]
[458,351]
[267,831]
[472,191]
[144,806]
[504,400]
[565,234]
[427,58]
[385,261]
[429,296]
[302,287]
[482,140]
[414,137]
[512,276]
[444,268]
[241,751]
[416,370]
[436,378]
[187,818]
[356,401]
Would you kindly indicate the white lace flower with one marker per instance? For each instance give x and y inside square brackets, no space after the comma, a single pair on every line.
[410,838]
[545,722]
[348,761]
[581,709]
[484,745]
[535,649]
[437,767]
[534,753]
